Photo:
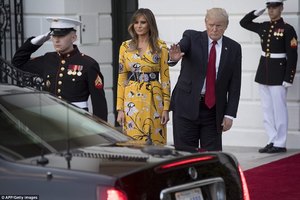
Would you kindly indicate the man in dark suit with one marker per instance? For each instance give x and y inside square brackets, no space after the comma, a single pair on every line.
[194,119]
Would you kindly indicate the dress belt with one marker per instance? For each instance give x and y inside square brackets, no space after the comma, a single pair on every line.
[81,104]
[273,55]
[143,76]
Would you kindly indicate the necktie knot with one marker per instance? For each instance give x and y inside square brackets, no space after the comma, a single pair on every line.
[214,43]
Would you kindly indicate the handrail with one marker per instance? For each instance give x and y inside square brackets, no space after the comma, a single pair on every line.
[14,76]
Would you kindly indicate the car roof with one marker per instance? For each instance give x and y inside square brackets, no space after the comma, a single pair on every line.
[7,89]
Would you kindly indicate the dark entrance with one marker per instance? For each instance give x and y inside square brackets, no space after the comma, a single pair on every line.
[122,10]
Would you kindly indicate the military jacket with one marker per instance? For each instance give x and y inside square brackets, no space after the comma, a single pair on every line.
[73,77]
[279,44]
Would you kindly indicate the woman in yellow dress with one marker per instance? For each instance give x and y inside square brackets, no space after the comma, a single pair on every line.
[143,96]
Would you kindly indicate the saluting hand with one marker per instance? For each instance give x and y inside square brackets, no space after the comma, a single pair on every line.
[41,39]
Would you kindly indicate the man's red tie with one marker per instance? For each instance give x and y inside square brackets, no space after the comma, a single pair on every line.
[210,99]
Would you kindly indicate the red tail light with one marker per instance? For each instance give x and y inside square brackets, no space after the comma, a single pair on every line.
[184,162]
[246,194]
[110,194]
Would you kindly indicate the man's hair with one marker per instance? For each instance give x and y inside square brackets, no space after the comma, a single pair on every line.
[217,13]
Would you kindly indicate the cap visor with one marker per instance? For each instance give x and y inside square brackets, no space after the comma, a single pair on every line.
[61,32]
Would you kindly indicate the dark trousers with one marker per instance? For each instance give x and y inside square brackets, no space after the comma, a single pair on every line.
[188,133]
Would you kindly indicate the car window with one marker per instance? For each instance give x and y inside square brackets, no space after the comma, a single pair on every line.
[39,119]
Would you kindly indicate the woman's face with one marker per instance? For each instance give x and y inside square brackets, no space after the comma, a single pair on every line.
[141,26]
[64,44]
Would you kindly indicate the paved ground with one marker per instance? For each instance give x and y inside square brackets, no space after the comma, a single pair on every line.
[250,158]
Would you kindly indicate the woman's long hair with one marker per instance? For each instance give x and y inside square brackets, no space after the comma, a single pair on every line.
[153,31]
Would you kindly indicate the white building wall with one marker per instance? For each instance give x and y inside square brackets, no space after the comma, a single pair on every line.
[97,37]
[175,16]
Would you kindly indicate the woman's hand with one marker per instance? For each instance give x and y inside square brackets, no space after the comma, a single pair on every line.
[164,117]
[121,117]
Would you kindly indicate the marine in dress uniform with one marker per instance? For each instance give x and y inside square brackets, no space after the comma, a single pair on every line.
[276,70]
[68,74]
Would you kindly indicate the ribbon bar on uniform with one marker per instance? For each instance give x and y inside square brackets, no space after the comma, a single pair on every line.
[273,55]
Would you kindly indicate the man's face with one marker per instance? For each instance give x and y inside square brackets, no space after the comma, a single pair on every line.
[215,27]
[275,12]
[64,44]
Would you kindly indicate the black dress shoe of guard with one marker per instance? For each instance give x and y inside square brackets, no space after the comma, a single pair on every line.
[266,148]
[276,150]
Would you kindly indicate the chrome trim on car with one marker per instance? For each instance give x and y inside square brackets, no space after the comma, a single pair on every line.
[217,188]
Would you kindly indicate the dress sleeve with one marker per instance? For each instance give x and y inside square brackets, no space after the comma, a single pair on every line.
[122,78]
[165,76]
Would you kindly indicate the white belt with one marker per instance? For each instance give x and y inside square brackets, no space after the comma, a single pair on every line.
[273,55]
[82,104]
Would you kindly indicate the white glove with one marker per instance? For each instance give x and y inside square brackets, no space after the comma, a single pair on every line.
[39,40]
[286,84]
[259,12]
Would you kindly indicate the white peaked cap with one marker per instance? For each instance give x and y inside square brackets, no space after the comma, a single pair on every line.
[274,1]
[61,26]
[63,22]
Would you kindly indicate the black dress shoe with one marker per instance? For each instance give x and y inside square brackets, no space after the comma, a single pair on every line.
[266,148]
[276,150]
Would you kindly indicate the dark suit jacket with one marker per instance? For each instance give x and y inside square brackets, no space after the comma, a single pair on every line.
[186,95]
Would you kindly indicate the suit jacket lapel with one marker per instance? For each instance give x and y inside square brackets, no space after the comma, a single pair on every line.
[224,56]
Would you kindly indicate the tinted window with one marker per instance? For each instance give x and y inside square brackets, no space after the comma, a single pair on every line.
[34,120]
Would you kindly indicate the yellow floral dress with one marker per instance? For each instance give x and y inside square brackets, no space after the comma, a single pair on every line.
[144,92]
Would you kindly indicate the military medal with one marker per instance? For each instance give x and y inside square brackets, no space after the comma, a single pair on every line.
[79,69]
[75,70]
[48,83]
